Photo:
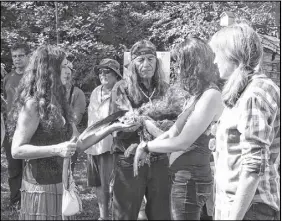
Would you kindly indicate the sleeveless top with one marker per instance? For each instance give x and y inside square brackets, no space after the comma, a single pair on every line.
[199,157]
[46,170]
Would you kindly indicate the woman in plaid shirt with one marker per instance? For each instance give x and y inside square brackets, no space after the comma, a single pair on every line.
[247,137]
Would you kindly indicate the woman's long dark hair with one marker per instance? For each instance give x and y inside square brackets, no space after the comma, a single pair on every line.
[197,69]
[41,82]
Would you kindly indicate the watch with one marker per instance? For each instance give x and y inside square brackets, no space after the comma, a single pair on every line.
[145,147]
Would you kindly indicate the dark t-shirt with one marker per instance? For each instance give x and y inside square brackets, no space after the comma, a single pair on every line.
[11,82]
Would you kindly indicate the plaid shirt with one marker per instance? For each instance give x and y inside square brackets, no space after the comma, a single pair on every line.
[248,138]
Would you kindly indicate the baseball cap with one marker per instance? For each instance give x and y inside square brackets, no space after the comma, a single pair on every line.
[110,63]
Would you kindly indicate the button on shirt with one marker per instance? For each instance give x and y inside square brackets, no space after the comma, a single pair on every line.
[98,109]
[248,139]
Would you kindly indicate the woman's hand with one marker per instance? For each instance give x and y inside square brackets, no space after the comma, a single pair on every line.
[139,158]
[67,148]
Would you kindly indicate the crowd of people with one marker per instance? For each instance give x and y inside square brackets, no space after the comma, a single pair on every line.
[166,177]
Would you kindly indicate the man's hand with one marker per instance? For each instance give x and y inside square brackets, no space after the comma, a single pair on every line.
[139,158]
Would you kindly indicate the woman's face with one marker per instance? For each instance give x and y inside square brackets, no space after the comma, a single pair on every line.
[107,77]
[66,76]
[225,66]
[146,65]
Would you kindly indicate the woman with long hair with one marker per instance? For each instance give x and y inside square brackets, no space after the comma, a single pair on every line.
[187,140]
[247,137]
[40,127]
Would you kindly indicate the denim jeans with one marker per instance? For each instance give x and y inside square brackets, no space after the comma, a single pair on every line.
[261,211]
[128,191]
[188,196]
[15,169]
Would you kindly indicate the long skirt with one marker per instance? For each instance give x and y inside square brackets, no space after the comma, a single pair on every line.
[41,202]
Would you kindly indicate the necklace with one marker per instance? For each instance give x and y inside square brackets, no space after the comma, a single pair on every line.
[148,97]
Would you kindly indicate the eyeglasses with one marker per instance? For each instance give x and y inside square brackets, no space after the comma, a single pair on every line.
[105,71]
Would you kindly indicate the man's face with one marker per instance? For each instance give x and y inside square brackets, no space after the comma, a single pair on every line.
[19,58]
[146,65]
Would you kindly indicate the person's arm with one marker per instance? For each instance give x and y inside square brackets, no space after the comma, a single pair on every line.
[100,133]
[79,106]
[256,128]
[27,124]
[207,108]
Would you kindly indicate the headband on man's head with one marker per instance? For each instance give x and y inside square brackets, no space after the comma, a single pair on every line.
[141,48]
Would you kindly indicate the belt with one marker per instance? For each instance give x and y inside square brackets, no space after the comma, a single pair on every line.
[153,157]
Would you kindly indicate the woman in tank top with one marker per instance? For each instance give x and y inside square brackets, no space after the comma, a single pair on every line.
[187,140]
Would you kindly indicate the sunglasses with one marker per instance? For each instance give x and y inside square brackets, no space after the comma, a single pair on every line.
[105,71]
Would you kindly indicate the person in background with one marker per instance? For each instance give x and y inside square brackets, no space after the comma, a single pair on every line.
[3,102]
[99,160]
[247,137]
[39,125]
[75,98]
[19,52]
[187,140]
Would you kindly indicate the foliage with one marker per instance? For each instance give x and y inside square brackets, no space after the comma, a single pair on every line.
[90,31]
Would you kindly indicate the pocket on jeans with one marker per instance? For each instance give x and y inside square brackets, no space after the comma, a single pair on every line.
[203,192]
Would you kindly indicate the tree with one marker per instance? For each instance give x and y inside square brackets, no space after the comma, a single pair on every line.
[91,31]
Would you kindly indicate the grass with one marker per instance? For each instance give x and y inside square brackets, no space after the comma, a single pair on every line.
[88,196]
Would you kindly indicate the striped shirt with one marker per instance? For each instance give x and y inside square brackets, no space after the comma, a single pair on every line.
[248,138]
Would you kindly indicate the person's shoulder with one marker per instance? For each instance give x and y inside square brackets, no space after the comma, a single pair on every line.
[263,87]
[31,105]
[8,76]
[211,93]
[97,88]
[211,98]
[263,91]
[120,85]
[78,90]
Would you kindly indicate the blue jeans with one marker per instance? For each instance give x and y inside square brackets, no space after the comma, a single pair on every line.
[128,191]
[188,196]
[261,211]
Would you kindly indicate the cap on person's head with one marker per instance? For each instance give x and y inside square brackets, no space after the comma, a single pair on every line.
[111,64]
[141,48]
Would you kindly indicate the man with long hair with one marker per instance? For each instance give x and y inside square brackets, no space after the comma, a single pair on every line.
[19,54]
[143,82]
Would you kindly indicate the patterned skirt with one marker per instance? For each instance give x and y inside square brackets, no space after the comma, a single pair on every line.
[41,202]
